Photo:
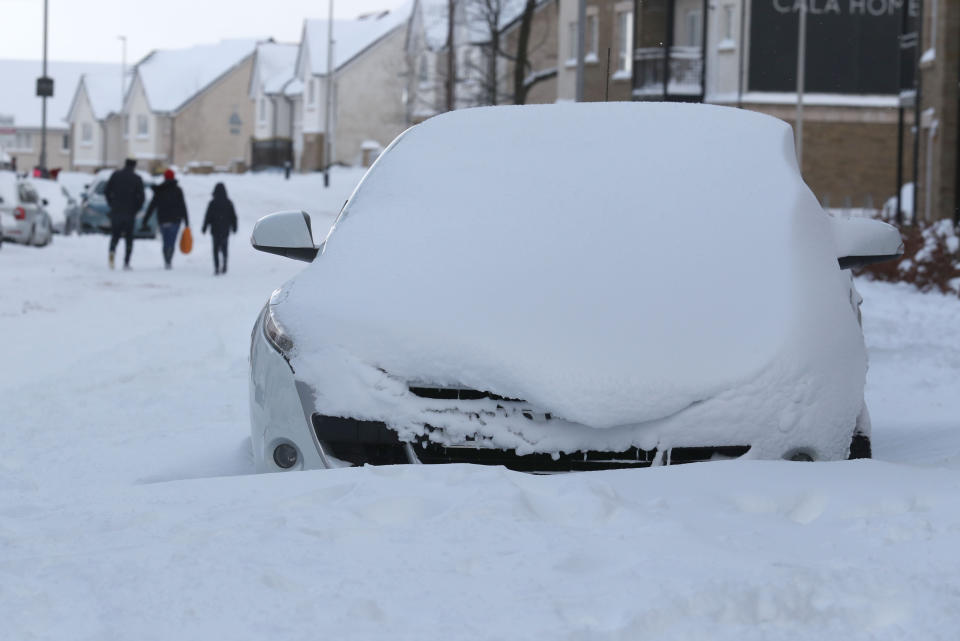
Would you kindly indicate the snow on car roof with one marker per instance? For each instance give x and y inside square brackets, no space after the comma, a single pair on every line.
[613,263]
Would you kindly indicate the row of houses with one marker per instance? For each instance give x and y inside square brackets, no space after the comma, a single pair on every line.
[256,103]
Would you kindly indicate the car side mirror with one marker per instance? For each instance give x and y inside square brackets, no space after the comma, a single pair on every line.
[285,233]
[864,241]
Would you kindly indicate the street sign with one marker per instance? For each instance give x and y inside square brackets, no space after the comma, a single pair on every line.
[45,87]
[851,46]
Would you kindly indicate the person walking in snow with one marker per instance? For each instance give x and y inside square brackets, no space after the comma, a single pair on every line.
[171,208]
[125,197]
[221,218]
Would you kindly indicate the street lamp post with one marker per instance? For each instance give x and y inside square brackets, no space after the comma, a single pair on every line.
[123,69]
[581,46]
[801,70]
[43,96]
[327,147]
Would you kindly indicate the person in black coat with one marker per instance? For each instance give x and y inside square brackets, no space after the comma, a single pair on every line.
[221,219]
[125,197]
[171,208]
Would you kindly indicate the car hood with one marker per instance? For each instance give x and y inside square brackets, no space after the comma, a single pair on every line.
[612,266]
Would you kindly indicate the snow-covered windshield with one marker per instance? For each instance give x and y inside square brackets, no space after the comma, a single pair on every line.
[615,262]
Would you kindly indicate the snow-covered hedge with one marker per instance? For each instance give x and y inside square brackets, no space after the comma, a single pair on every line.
[931,259]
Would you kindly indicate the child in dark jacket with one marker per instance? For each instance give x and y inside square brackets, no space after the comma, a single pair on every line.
[221,218]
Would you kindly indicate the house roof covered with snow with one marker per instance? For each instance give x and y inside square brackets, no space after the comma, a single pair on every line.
[295,88]
[275,66]
[19,97]
[103,92]
[350,37]
[172,77]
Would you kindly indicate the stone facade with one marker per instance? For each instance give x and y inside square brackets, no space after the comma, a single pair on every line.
[595,69]
[311,156]
[849,153]
[216,126]
[369,98]
[58,149]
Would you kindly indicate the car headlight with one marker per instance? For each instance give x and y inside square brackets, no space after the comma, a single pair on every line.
[275,333]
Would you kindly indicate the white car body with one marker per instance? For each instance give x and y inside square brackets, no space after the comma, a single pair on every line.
[22,217]
[60,205]
[569,287]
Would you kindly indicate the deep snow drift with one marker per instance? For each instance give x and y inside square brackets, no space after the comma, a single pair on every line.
[122,391]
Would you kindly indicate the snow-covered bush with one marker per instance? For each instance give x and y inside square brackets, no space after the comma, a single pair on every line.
[931,259]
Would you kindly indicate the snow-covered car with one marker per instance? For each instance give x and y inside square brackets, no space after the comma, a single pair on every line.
[570,286]
[95,213]
[22,216]
[60,205]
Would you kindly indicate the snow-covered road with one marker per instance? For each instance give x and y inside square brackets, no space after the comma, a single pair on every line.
[127,510]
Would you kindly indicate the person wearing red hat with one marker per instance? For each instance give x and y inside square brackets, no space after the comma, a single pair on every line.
[171,208]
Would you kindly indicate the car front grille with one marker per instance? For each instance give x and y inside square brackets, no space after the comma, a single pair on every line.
[456,393]
[372,442]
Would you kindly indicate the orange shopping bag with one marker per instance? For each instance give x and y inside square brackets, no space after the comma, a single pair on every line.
[186,241]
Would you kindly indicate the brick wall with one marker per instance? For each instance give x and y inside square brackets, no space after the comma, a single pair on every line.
[206,130]
[849,153]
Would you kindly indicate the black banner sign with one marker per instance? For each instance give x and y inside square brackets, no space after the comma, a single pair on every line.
[44,87]
[853,46]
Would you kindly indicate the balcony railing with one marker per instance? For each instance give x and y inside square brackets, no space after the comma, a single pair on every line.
[686,72]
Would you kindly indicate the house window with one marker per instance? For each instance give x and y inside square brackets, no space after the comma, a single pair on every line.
[65,142]
[729,15]
[692,34]
[86,133]
[263,109]
[310,95]
[424,69]
[24,141]
[591,33]
[143,126]
[624,42]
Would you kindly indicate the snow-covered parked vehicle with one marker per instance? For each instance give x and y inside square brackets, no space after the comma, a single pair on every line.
[24,219]
[570,286]
[63,209]
[95,212]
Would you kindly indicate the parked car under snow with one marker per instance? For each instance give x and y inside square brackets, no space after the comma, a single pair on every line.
[60,205]
[572,286]
[95,212]
[22,216]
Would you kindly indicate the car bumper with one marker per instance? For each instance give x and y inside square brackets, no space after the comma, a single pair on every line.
[17,230]
[283,412]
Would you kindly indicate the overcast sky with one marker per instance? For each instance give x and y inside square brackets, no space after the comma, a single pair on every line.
[88,30]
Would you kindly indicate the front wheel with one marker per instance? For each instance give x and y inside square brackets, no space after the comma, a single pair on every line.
[860,442]
[860,447]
